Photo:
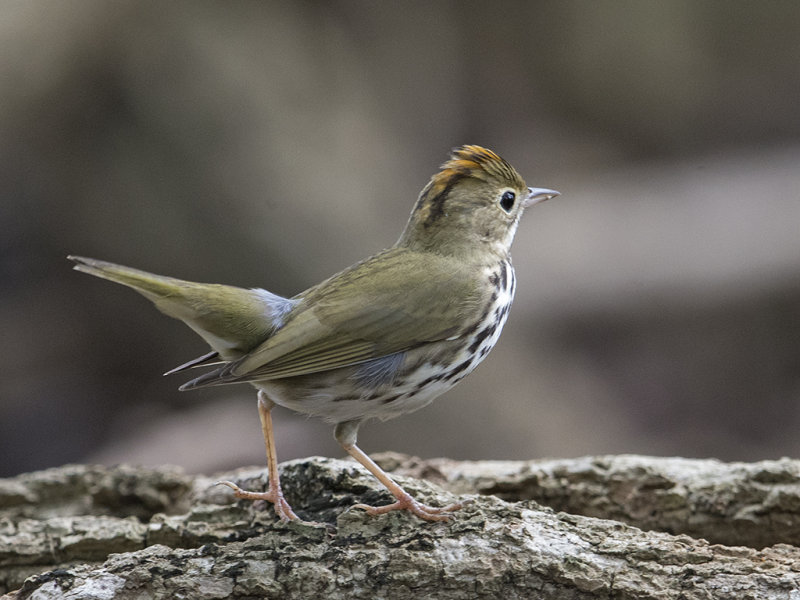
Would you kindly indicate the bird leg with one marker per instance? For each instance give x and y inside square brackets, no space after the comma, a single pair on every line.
[274,494]
[345,434]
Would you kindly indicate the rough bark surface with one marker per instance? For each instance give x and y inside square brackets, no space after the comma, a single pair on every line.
[628,527]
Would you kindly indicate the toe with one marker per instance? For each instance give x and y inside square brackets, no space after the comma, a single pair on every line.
[423,511]
[281,506]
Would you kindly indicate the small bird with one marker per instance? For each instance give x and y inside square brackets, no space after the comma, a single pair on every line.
[382,338]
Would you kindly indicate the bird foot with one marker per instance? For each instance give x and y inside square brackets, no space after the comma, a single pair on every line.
[423,511]
[274,496]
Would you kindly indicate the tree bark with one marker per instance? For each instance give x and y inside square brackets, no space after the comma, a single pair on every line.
[629,528]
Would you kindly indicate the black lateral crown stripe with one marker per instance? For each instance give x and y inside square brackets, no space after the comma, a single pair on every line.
[437,203]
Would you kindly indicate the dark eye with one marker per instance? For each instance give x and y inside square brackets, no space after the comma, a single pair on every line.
[507,201]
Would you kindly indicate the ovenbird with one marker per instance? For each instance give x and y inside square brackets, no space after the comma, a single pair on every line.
[379,339]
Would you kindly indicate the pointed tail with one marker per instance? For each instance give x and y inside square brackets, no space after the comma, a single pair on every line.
[232,320]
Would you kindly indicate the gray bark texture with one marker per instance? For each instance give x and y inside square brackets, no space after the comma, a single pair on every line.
[621,527]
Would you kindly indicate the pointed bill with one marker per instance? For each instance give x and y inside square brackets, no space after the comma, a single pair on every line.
[536,195]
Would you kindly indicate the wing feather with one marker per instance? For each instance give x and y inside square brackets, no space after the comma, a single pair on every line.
[376,308]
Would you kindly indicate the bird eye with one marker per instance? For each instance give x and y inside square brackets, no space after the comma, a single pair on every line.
[507,200]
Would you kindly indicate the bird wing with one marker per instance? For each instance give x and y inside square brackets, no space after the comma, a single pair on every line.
[384,305]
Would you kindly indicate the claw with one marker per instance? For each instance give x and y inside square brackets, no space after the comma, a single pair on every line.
[423,511]
[275,497]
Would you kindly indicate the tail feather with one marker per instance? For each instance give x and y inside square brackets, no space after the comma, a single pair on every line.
[232,320]
[212,358]
[147,284]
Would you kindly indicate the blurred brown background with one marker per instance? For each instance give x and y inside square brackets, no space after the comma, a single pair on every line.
[271,144]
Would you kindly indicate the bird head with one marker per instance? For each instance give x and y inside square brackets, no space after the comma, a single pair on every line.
[471,206]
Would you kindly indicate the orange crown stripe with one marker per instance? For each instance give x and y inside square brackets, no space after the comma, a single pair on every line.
[478,162]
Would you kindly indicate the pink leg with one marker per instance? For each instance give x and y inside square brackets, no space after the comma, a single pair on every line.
[346,435]
[273,493]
